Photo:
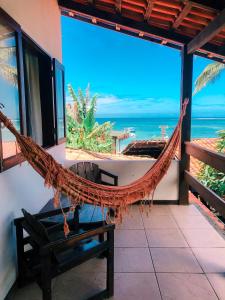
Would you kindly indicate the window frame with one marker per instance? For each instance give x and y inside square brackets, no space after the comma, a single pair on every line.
[20,37]
[28,41]
[11,161]
[58,66]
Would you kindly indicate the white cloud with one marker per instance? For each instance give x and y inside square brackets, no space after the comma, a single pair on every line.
[112,104]
[69,99]
[108,99]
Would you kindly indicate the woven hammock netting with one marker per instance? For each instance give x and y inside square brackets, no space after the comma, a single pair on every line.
[80,190]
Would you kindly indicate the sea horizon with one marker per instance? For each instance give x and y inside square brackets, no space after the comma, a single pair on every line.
[149,127]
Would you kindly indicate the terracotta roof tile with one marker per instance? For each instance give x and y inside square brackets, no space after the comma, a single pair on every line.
[209,143]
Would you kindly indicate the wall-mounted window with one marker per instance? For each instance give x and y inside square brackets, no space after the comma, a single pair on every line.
[27,78]
[10,94]
[39,94]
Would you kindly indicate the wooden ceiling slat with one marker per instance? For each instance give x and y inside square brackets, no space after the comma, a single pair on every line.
[149,9]
[222,35]
[162,16]
[200,13]
[185,11]
[166,10]
[159,23]
[135,2]
[111,2]
[171,4]
[192,25]
[197,20]
[208,32]
[219,42]
[204,7]
[134,16]
[190,32]
[132,7]
[106,8]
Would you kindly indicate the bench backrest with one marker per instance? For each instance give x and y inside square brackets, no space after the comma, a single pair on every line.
[87,170]
[37,231]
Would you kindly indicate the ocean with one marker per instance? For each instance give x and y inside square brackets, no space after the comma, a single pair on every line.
[148,128]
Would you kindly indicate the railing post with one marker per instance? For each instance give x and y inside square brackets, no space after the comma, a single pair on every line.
[186,92]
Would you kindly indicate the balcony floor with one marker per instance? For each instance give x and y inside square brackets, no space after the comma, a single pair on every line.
[174,253]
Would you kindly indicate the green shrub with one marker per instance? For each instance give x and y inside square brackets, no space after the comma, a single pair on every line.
[212,178]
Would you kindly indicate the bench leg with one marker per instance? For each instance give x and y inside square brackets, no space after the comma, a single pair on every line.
[20,255]
[46,284]
[110,265]
[101,238]
[46,293]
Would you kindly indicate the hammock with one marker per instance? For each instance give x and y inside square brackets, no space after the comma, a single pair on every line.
[80,190]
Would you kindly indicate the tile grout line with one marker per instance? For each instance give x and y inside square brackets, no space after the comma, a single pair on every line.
[160,292]
[195,256]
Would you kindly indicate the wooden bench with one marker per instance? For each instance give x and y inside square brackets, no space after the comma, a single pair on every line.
[43,251]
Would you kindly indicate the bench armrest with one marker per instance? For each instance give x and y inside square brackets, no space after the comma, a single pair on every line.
[72,240]
[115,177]
[47,214]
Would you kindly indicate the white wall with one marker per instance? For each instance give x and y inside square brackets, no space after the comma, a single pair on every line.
[20,187]
[40,19]
[130,170]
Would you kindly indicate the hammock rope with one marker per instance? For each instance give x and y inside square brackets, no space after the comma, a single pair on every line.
[80,190]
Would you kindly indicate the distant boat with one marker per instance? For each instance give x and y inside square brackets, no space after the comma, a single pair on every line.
[132,134]
[130,129]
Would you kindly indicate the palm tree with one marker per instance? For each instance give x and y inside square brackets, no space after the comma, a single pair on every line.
[83,132]
[208,75]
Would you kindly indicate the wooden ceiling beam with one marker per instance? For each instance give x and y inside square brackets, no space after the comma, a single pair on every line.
[149,9]
[185,11]
[118,5]
[207,33]
[131,27]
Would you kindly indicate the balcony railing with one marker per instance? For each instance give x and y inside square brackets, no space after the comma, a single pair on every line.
[213,159]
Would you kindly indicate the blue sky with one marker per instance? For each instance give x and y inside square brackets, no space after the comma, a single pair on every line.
[130,75]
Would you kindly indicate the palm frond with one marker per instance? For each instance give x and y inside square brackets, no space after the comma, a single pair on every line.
[99,128]
[208,75]
[82,101]
[89,120]
[7,52]
[77,107]
[87,95]
[72,93]
[9,73]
